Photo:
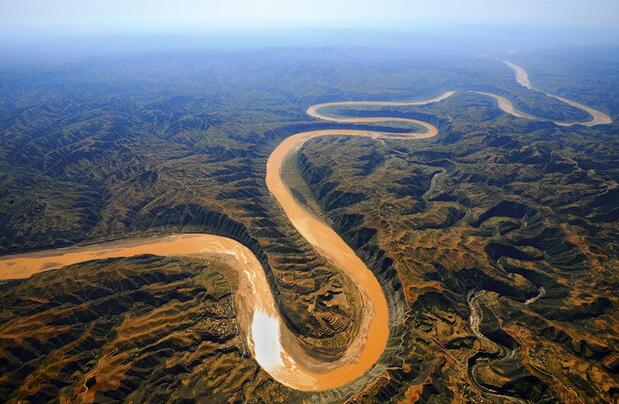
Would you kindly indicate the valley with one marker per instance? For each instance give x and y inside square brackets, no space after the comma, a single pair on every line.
[410,284]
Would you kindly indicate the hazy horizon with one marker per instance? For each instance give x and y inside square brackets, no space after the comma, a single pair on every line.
[61,18]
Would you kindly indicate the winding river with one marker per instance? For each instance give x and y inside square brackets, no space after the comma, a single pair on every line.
[273,346]
[597,117]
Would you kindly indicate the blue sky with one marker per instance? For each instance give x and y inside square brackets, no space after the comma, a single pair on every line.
[41,16]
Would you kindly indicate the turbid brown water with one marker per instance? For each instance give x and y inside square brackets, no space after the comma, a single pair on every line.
[272,344]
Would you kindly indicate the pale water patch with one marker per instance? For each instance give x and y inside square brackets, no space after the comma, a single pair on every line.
[266,343]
